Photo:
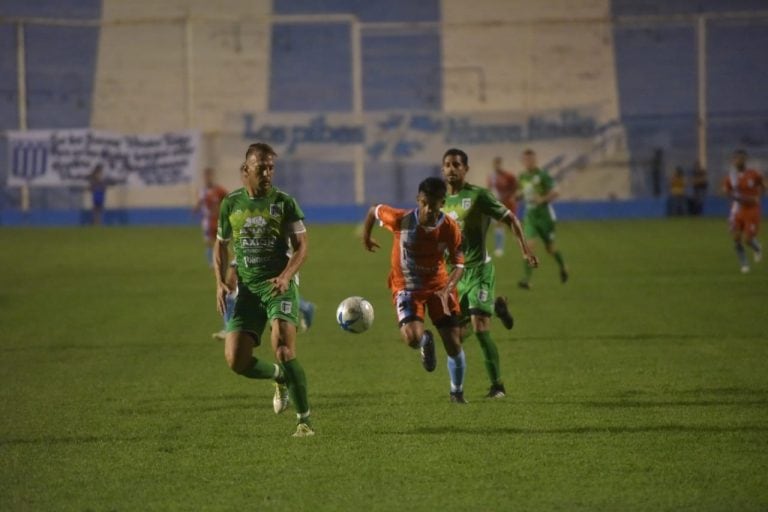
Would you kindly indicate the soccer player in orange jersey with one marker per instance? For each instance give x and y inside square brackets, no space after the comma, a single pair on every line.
[418,277]
[207,205]
[504,186]
[744,187]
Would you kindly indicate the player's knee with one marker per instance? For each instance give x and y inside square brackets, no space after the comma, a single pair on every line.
[411,336]
[452,342]
[411,340]
[283,353]
[237,363]
[481,323]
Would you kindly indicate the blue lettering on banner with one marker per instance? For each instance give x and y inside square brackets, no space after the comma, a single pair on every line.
[404,136]
[461,131]
[319,132]
[316,131]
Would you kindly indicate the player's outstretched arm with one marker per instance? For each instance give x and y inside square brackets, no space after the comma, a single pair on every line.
[220,264]
[513,223]
[370,218]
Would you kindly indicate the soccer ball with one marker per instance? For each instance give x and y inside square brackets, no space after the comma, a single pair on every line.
[355,314]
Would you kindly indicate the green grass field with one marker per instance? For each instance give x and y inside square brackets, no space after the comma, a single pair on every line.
[642,384]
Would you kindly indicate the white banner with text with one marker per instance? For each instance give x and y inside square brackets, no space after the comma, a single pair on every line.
[69,157]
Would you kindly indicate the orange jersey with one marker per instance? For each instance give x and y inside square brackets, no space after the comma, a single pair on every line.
[504,185]
[745,188]
[418,253]
[210,201]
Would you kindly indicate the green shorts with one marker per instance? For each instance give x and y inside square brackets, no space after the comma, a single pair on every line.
[477,290]
[255,306]
[539,227]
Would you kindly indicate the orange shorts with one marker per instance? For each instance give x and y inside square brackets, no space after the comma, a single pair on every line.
[411,305]
[745,221]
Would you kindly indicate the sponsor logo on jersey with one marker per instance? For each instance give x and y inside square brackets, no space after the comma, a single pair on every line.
[276,210]
[466,203]
[286,307]
[266,242]
[257,221]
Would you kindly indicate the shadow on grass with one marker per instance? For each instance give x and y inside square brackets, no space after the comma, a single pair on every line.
[350,399]
[46,441]
[725,391]
[625,337]
[197,398]
[62,347]
[240,401]
[675,403]
[696,429]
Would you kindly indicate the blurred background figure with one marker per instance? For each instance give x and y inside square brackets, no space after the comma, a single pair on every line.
[537,189]
[744,187]
[207,206]
[677,203]
[97,184]
[700,186]
[504,185]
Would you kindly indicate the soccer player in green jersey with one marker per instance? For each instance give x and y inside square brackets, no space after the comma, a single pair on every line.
[473,208]
[264,224]
[537,189]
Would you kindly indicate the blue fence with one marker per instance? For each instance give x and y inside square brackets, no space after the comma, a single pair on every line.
[566,210]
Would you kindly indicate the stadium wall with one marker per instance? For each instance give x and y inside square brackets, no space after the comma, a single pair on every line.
[641,78]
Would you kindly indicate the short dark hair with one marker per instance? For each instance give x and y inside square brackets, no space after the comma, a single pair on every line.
[433,187]
[260,147]
[459,153]
[529,151]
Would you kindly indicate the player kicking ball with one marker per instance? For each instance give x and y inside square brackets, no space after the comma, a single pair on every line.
[473,207]
[744,187]
[418,277]
[263,223]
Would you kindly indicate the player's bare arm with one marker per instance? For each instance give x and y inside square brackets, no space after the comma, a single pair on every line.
[444,293]
[299,242]
[513,223]
[370,219]
[220,264]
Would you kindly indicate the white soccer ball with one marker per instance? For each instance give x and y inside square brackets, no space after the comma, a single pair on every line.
[355,314]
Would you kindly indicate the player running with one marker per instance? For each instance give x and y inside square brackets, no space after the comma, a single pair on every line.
[538,190]
[504,186]
[744,187]
[418,277]
[208,204]
[263,223]
[473,208]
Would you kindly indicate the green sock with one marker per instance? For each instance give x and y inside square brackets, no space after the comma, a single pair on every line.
[260,370]
[559,259]
[491,354]
[297,388]
[527,270]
